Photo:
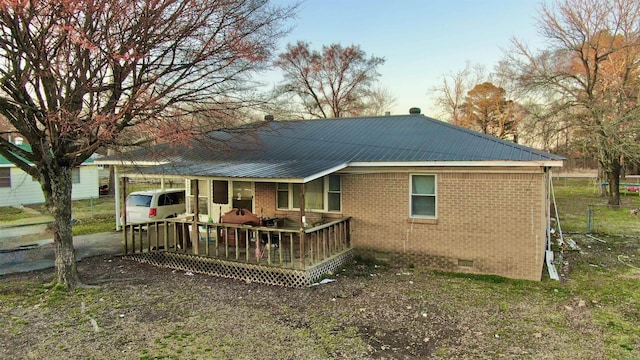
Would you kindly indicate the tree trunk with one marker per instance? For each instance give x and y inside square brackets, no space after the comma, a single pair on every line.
[613,177]
[59,200]
[112,180]
[112,176]
[602,177]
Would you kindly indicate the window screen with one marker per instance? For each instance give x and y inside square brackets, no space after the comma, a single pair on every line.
[423,195]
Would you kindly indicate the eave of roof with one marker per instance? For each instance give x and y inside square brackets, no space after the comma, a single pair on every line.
[4,162]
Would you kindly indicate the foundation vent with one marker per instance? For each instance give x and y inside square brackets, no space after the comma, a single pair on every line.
[465,263]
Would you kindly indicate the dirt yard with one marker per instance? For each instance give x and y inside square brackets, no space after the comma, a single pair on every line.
[138,311]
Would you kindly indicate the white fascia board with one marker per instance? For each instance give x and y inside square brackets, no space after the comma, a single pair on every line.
[491,163]
[324,173]
[135,175]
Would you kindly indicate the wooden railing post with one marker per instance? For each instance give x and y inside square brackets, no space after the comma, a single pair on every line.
[195,231]
[123,215]
[165,232]
[302,251]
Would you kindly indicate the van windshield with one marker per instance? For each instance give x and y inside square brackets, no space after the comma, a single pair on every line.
[139,200]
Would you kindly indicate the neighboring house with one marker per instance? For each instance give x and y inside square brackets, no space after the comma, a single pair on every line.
[418,191]
[19,188]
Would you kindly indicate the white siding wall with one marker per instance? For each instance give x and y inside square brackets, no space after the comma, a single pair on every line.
[89,183]
[24,190]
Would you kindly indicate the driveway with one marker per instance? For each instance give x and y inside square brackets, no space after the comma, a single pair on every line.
[20,254]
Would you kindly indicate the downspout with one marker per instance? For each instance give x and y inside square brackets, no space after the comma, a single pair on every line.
[548,209]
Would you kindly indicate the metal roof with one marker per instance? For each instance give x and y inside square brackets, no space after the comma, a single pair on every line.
[302,148]
[4,162]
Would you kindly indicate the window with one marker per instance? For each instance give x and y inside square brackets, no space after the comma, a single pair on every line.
[75,175]
[5,177]
[139,200]
[175,198]
[242,195]
[283,196]
[313,195]
[322,194]
[423,196]
[220,192]
[335,193]
[203,196]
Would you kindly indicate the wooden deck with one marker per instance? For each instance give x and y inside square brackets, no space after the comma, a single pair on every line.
[271,255]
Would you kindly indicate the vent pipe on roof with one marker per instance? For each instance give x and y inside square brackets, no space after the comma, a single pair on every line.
[414,111]
[268,118]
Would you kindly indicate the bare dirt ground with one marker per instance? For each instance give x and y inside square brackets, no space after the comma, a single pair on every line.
[138,311]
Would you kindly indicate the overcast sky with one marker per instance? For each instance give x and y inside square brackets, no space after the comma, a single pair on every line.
[421,40]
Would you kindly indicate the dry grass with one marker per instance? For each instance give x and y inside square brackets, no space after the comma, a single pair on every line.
[370,312]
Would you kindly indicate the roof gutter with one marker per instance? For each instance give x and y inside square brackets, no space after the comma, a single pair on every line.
[490,163]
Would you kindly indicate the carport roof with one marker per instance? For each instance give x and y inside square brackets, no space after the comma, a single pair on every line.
[265,170]
[306,149]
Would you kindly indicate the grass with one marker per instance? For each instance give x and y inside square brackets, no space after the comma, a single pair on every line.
[593,313]
[609,278]
[9,213]
[575,196]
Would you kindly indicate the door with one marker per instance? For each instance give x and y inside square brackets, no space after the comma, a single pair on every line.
[243,195]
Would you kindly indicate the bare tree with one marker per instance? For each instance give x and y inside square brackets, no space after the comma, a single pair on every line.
[377,101]
[592,66]
[331,83]
[450,95]
[75,75]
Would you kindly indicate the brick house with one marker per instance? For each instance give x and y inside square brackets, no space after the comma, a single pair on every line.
[417,191]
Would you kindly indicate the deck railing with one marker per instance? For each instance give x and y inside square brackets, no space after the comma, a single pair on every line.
[272,246]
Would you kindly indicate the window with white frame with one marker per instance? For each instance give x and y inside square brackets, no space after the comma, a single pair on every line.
[423,196]
[322,194]
[5,177]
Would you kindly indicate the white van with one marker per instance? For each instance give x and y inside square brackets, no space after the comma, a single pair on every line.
[150,205]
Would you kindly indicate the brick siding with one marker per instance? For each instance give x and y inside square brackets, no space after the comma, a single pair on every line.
[494,222]
[487,222]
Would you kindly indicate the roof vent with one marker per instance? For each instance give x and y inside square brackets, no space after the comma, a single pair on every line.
[414,111]
[268,118]
[387,113]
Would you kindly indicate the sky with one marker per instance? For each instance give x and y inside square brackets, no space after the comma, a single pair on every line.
[421,40]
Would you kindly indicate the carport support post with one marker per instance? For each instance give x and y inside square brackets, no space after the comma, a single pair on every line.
[117,196]
[123,214]
[302,223]
[195,236]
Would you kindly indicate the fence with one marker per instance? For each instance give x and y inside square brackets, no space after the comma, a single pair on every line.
[582,208]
